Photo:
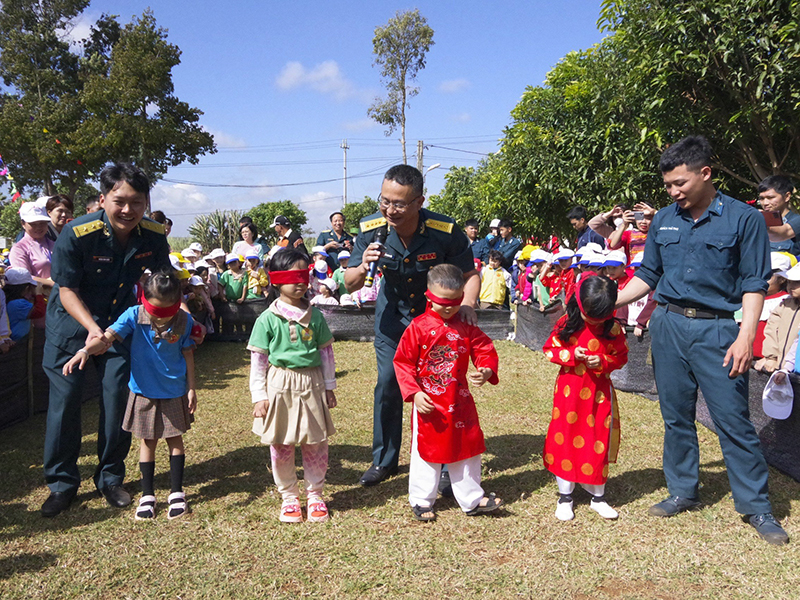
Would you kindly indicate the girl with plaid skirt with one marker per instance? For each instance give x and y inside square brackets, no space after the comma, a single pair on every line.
[163,398]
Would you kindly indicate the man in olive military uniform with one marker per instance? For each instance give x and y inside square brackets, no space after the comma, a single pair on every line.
[335,239]
[96,261]
[416,240]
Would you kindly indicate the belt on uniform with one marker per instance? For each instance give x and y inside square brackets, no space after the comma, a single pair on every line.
[698,313]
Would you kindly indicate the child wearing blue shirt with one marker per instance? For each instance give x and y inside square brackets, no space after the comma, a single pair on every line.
[163,398]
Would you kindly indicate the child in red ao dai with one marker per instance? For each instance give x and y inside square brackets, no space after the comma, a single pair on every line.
[583,436]
[431,364]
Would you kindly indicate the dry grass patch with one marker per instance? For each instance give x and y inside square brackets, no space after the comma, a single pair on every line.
[233,546]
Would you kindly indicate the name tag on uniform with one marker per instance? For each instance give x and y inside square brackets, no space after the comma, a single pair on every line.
[429,256]
[103,259]
[143,255]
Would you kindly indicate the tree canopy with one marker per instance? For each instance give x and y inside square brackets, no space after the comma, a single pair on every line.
[593,133]
[355,211]
[68,110]
[400,48]
[265,213]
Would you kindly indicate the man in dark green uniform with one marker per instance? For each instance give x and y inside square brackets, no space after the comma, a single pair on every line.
[706,255]
[416,240]
[96,261]
[335,239]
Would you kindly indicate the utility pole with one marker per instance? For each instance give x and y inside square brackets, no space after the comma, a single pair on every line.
[345,147]
[419,156]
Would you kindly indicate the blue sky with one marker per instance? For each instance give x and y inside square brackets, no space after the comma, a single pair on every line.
[283,83]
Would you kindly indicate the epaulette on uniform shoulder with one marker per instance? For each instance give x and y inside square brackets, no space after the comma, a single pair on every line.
[325,231]
[153,226]
[373,224]
[439,225]
[85,228]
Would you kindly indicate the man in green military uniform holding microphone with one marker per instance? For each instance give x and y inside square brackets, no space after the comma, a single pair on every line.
[415,240]
[96,261]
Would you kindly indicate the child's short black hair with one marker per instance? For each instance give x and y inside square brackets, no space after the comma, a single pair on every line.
[472,223]
[447,277]
[15,292]
[283,260]
[505,223]
[693,151]
[163,285]
[780,183]
[496,255]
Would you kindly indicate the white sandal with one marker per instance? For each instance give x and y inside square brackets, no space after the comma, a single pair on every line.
[146,509]
[177,505]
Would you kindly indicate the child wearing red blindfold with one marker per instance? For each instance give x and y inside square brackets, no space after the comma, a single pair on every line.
[583,436]
[163,399]
[431,364]
[292,378]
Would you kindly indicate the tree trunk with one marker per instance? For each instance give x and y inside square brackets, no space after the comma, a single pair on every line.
[403,122]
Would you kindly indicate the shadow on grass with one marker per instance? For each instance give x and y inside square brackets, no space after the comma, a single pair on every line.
[26,563]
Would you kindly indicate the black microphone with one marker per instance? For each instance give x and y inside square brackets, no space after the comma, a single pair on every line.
[380,238]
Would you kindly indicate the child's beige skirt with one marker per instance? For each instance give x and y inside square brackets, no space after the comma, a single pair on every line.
[297,412]
[155,419]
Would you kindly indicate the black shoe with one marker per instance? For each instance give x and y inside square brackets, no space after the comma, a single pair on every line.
[769,529]
[116,496]
[672,506]
[374,475]
[57,503]
[445,488]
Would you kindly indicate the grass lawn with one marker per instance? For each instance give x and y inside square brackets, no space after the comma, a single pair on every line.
[232,545]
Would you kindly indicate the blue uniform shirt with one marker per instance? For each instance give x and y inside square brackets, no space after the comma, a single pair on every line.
[508,248]
[405,270]
[792,245]
[87,257]
[709,263]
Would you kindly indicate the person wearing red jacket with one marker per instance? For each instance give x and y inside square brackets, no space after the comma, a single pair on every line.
[431,365]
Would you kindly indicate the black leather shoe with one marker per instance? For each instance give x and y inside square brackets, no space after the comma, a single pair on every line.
[57,503]
[672,506]
[374,475]
[445,487]
[116,496]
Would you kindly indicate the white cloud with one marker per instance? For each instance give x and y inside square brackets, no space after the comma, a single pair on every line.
[453,86]
[226,140]
[360,125]
[80,29]
[326,78]
[463,117]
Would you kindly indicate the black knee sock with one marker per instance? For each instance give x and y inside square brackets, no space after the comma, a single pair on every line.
[176,462]
[564,498]
[148,470]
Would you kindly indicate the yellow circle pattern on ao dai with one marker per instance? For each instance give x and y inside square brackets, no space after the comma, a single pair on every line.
[583,436]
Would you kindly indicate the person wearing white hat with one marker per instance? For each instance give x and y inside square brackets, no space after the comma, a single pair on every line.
[338,274]
[780,324]
[234,280]
[22,302]
[197,247]
[327,289]
[34,251]
[614,267]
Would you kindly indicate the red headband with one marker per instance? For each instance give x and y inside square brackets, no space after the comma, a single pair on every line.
[161,312]
[444,301]
[288,277]
[584,276]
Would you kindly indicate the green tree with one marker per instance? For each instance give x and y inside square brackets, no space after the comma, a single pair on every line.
[219,229]
[10,223]
[729,69]
[399,48]
[355,211]
[64,115]
[264,214]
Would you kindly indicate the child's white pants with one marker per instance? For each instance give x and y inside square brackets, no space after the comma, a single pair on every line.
[567,487]
[315,467]
[423,479]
